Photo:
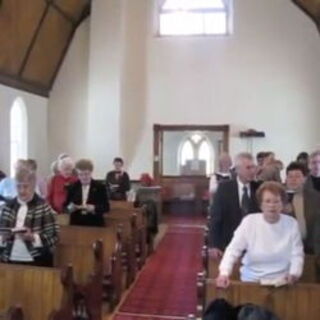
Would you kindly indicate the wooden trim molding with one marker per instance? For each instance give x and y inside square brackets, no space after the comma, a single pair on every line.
[18,83]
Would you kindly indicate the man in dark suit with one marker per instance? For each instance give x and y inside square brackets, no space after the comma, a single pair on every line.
[233,200]
[304,205]
[87,199]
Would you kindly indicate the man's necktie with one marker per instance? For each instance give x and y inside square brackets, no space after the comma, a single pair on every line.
[245,201]
[290,195]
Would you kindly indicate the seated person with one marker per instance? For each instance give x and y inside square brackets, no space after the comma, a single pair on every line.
[270,243]
[303,203]
[59,184]
[87,199]
[118,181]
[28,226]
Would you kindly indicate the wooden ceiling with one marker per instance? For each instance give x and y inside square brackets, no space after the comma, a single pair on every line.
[34,38]
[311,8]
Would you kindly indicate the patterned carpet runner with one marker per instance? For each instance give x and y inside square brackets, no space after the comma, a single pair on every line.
[166,287]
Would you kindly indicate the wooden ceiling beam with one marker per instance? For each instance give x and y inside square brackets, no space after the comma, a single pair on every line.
[314,18]
[33,39]
[84,15]
[66,15]
[18,83]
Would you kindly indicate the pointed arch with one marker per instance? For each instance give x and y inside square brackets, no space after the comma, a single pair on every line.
[18,132]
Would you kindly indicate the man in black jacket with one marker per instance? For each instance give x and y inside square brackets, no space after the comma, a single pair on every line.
[87,199]
[233,200]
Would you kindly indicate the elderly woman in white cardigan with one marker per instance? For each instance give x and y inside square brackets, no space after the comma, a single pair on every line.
[269,242]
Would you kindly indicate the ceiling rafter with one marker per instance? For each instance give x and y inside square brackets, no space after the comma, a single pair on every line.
[36,45]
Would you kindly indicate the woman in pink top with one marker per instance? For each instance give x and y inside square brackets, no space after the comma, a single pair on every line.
[58,185]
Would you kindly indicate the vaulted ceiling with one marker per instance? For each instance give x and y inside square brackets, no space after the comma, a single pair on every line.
[311,8]
[34,37]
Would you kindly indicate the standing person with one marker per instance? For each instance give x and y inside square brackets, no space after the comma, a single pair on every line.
[313,180]
[270,170]
[59,184]
[223,173]
[118,181]
[270,243]
[304,205]
[87,199]
[31,230]
[233,200]
[8,189]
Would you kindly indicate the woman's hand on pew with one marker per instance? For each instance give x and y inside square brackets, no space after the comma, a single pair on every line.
[291,279]
[222,281]
[215,253]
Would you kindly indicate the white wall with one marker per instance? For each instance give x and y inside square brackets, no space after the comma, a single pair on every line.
[68,102]
[265,76]
[36,107]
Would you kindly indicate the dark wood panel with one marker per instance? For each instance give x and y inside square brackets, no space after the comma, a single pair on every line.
[16,82]
[73,8]
[18,22]
[48,48]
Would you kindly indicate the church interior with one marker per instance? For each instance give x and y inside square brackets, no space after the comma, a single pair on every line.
[137,140]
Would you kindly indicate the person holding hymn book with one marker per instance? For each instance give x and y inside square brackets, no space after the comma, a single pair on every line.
[87,199]
[28,227]
[268,243]
[118,181]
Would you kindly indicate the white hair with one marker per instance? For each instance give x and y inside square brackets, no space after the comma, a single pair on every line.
[241,156]
[65,162]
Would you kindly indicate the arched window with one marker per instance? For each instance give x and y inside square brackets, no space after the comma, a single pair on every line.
[187,152]
[196,155]
[195,17]
[18,132]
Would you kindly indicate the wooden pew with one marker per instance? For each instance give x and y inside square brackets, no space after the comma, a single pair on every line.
[40,293]
[141,224]
[112,248]
[87,262]
[297,302]
[130,240]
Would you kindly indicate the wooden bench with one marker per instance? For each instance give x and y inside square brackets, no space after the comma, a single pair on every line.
[112,248]
[87,262]
[39,293]
[297,302]
[141,225]
[130,239]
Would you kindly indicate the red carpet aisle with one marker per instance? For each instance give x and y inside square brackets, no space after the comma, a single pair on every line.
[166,288]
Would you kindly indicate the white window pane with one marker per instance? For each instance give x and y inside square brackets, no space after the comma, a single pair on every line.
[196,138]
[193,4]
[215,23]
[181,23]
[206,154]
[187,152]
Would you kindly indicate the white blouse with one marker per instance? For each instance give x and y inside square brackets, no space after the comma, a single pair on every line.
[271,250]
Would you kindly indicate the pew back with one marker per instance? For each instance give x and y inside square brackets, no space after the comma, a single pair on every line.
[297,302]
[39,291]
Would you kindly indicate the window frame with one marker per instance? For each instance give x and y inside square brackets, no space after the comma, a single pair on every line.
[229,10]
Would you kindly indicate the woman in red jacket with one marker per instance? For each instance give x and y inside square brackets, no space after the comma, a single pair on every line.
[58,185]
